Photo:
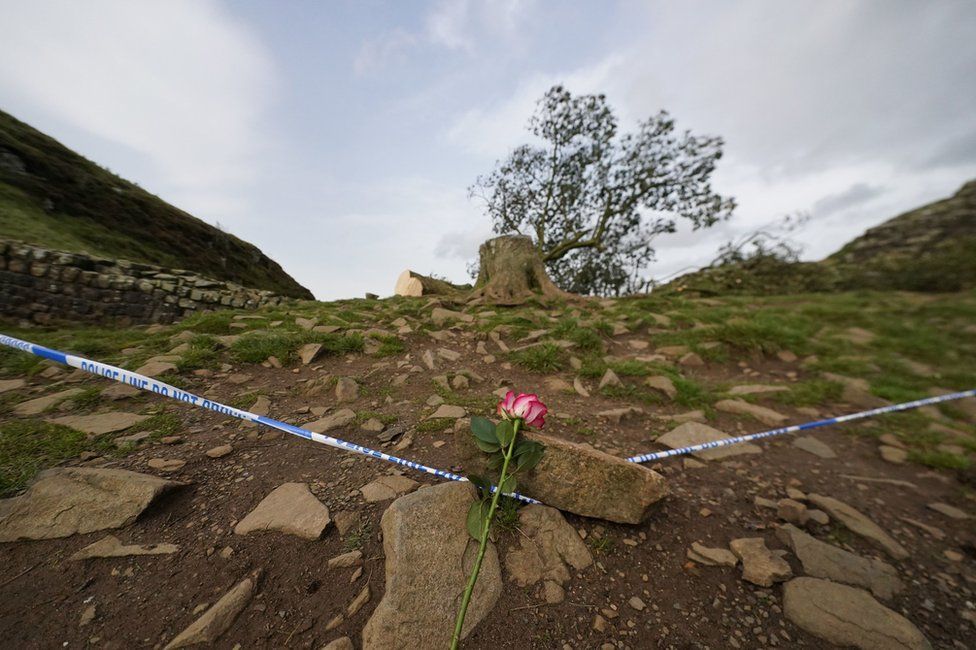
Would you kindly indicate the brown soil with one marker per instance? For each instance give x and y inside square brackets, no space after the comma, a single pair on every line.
[146,601]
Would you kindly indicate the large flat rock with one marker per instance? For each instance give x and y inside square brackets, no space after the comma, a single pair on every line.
[40,404]
[549,546]
[66,501]
[696,433]
[822,560]
[428,557]
[101,423]
[290,508]
[859,524]
[847,616]
[578,479]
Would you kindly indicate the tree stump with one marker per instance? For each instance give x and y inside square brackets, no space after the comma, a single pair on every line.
[512,272]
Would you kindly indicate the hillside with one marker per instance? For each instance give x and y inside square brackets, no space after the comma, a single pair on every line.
[53,197]
[931,248]
[877,504]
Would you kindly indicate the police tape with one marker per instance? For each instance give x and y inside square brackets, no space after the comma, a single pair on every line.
[165,390]
[841,419]
[149,384]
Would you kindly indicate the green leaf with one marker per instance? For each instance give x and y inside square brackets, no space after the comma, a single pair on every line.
[476,519]
[483,429]
[505,433]
[481,483]
[496,461]
[509,485]
[528,455]
[488,447]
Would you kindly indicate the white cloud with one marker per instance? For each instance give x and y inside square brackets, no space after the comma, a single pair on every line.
[454,25]
[820,104]
[180,83]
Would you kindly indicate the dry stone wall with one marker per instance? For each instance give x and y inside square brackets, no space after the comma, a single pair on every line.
[41,286]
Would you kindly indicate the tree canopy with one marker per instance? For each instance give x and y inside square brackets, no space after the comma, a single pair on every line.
[594,200]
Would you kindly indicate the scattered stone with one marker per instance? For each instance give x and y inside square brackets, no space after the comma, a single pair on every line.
[580,388]
[857,391]
[609,378]
[618,415]
[346,390]
[690,416]
[111,546]
[373,425]
[70,500]
[290,508]
[822,560]
[711,556]
[239,379]
[765,415]
[156,368]
[309,352]
[579,479]
[559,385]
[814,446]
[165,464]
[342,643]
[818,517]
[695,433]
[132,439]
[340,418]
[218,619]
[101,423]
[38,405]
[261,406]
[859,524]
[786,356]
[792,511]
[935,532]
[553,593]
[949,511]
[857,335]
[893,454]
[387,487]
[636,603]
[346,560]
[891,440]
[663,385]
[87,616]
[119,391]
[449,355]
[357,603]
[847,616]
[547,545]
[14,384]
[448,411]
[220,452]
[441,316]
[691,360]
[760,566]
[756,389]
[428,556]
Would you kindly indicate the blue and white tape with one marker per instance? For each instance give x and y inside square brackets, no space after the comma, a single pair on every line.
[152,385]
[725,442]
[160,388]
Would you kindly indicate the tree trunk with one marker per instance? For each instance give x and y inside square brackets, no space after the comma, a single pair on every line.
[512,272]
[414,284]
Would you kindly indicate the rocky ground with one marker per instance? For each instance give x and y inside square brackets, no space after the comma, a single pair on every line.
[164,525]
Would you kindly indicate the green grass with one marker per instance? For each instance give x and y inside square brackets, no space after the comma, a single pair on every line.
[389,345]
[95,211]
[810,393]
[203,353]
[434,425]
[27,446]
[540,358]
[256,347]
[939,459]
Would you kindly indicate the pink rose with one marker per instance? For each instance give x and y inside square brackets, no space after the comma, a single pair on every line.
[524,406]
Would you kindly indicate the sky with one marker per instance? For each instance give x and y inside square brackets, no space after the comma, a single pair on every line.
[341,137]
